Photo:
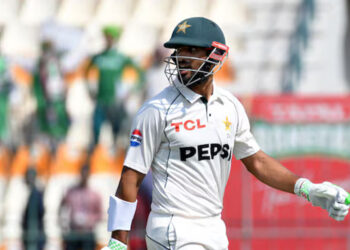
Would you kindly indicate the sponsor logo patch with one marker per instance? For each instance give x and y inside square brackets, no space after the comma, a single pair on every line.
[135,138]
[206,152]
[188,125]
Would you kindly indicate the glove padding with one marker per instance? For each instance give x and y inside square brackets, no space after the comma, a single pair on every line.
[115,245]
[325,195]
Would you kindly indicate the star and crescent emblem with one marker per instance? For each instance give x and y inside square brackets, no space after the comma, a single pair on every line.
[227,123]
[182,27]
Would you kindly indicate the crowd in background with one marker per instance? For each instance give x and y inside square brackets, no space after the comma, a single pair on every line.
[63,137]
[65,114]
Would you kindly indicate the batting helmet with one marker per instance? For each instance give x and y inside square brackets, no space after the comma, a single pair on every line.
[196,32]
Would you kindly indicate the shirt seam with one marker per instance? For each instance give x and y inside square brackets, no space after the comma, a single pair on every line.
[166,136]
[156,242]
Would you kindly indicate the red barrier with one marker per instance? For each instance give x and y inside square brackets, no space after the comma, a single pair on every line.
[261,218]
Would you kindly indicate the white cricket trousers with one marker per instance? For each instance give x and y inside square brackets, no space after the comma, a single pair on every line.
[171,232]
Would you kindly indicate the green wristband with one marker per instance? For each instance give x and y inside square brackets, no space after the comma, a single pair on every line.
[302,188]
[347,200]
[116,245]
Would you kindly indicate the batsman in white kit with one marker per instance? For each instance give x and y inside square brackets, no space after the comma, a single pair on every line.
[187,135]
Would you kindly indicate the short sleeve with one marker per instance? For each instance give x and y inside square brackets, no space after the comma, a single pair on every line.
[245,143]
[145,138]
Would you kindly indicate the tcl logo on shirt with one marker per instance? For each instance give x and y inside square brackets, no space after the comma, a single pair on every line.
[188,125]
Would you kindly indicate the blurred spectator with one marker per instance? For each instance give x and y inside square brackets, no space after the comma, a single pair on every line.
[106,164]
[82,208]
[105,75]
[69,158]
[35,153]
[21,106]
[33,235]
[22,194]
[50,93]
[4,136]
[155,77]
[4,166]
[4,93]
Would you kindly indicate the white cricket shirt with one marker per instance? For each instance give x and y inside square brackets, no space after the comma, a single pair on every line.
[189,143]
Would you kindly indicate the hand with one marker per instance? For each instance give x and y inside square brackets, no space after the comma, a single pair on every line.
[326,195]
[330,197]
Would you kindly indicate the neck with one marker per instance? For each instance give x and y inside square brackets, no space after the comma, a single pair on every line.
[205,89]
[83,184]
[109,46]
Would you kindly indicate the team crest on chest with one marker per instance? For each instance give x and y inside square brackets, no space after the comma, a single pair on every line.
[227,124]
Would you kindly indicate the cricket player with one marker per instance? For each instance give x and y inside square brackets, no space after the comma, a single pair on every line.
[187,135]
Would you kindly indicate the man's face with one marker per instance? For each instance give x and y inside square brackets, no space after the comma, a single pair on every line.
[188,66]
[110,40]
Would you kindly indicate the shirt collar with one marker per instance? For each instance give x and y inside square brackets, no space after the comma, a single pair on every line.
[190,95]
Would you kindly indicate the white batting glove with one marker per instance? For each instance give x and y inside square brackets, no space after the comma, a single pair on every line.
[326,195]
[115,245]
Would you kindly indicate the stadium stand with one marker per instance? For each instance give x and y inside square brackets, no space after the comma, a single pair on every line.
[129,41]
[65,169]
[5,158]
[9,11]
[35,157]
[74,13]
[20,40]
[151,12]
[317,71]
[105,166]
[30,15]
[115,12]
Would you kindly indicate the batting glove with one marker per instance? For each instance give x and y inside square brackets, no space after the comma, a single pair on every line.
[115,245]
[326,195]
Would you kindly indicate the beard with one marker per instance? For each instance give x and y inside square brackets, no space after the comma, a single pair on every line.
[192,78]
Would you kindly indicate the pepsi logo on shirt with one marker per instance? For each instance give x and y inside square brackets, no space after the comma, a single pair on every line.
[135,138]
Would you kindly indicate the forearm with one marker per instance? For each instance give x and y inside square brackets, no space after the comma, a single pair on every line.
[127,191]
[326,195]
[271,172]
[121,235]
[128,186]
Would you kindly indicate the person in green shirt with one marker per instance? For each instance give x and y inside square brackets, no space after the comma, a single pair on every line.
[106,82]
[4,93]
[50,92]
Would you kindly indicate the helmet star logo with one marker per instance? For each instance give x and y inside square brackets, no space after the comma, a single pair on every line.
[182,27]
[227,124]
